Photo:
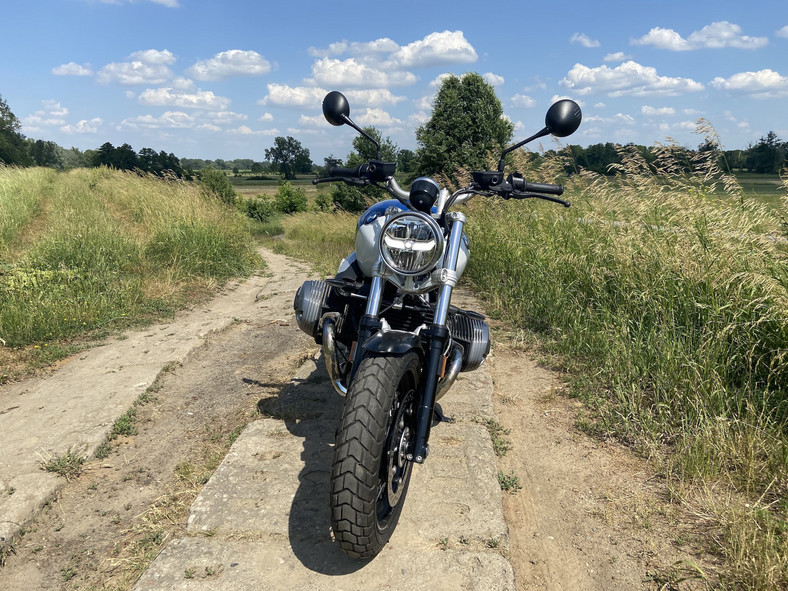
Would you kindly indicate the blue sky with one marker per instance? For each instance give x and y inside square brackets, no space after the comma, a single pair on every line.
[210,79]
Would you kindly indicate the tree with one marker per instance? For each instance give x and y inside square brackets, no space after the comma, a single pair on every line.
[406,161]
[364,150]
[13,149]
[767,156]
[467,124]
[288,156]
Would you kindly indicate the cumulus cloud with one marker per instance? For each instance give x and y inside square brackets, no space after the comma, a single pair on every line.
[73,69]
[783,32]
[52,114]
[762,84]
[170,97]
[379,46]
[282,95]
[523,100]
[376,117]
[245,130]
[168,120]
[234,62]
[618,56]
[352,72]
[266,117]
[447,47]
[657,111]
[493,79]
[584,40]
[145,67]
[629,78]
[714,36]
[84,126]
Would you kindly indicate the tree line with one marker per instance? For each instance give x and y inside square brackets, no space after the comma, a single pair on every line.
[466,126]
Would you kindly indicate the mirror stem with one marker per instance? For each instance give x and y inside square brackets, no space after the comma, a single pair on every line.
[538,134]
[350,122]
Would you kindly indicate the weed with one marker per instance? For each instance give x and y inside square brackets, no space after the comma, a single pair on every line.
[443,543]
[68,464]
[103,450]
[125,424]
[501,445]
[509,482]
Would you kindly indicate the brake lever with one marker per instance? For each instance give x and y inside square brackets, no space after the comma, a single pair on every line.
[518,195]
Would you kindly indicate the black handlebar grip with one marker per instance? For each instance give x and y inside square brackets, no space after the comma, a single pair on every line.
[344,172]
[544,188]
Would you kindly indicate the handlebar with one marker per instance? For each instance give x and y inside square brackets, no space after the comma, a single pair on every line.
[339,171]
[374,171]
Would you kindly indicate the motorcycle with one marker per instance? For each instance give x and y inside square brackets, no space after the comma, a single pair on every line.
[392,342]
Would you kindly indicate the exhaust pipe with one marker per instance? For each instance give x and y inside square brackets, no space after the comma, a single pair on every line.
[328,322]
[452,370]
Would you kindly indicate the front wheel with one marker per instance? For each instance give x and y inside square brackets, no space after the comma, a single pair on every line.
[371,471]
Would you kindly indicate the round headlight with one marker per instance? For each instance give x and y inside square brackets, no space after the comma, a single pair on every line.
[411,243]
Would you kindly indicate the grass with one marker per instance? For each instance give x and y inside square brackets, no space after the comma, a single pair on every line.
[667,297]
[97,250]
[67,465]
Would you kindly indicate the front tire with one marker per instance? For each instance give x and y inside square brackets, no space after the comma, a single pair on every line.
[371,472]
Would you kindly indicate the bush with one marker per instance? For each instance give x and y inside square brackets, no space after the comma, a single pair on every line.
[259,208]
[324,202]
[350,199]
[215,182]
[290,199]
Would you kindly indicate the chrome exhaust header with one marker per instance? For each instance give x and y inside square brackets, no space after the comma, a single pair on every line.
[328,323]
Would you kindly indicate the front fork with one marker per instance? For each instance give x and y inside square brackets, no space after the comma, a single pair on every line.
[438,335]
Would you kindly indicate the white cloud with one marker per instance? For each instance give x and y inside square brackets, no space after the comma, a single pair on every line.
[493,79]
[714,36]
[168,97]
[52,114]
[376,117]
[584,40]
[379,46]
[168,120]
[762,84]
[234,62]
[225,117]
[244,130]
[84,126]
[629,78]
[657,111]
[266,117]
[312,120]
[783,32]
[373,97]
[352,72]
[73,69]
[523,100]
[618,56]
[448,47]
[282,95]
[146,67]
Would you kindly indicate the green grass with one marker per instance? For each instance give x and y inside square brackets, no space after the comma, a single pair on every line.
[668,302]
[95,250]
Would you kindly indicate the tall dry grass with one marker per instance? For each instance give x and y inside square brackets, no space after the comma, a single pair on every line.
[666,293]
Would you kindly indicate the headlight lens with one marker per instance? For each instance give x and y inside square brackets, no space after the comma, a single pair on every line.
[411,243]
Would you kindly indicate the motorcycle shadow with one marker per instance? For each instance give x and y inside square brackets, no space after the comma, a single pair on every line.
[311,411]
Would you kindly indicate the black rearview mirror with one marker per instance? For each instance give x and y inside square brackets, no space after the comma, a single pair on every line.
[336,109]
[563,118]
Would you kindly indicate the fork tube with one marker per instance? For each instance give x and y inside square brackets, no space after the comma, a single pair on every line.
[439,335]
[369,323]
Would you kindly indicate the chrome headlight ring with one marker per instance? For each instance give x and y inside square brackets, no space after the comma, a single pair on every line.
[411,243]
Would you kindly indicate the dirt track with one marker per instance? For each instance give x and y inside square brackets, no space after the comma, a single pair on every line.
[588,516]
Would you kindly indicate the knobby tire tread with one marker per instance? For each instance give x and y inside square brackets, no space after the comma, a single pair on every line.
[358,452]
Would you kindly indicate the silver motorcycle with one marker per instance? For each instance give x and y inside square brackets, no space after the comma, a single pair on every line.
[393,344]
